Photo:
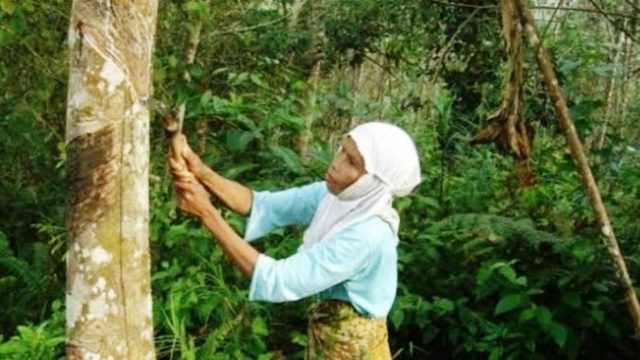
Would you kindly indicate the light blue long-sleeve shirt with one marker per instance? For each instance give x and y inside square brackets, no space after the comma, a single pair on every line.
[358,264]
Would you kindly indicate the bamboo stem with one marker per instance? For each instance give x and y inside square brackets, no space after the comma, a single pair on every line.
[562,111]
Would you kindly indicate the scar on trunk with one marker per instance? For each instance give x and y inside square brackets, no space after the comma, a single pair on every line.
[92,174]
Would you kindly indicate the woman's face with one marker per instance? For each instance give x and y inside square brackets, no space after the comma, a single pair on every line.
[347,166]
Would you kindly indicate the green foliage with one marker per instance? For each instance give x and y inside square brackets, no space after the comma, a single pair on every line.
[487,269]
[514,287]
[27,287]
[42,341]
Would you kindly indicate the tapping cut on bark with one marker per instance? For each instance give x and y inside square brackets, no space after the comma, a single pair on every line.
[507,128]
[108,297]
[92,173]
[577,151]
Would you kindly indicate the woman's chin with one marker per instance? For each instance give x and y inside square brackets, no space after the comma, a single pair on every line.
[332,188]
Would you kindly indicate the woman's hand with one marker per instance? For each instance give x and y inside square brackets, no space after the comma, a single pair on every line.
[192,197]
[193,161]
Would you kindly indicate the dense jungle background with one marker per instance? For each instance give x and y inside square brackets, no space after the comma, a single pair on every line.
[491,266]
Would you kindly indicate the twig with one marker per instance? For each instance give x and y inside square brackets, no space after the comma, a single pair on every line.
[250,28]
[634,6]
[553,16]
[446,3]
[606,16]
[565,8]
[447,47]
[540,7]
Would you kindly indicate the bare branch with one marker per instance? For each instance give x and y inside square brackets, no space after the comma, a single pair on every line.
[607,16]
[634,6]
[540,7]
[553,16]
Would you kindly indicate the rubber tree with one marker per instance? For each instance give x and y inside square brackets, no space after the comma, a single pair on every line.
[108,300]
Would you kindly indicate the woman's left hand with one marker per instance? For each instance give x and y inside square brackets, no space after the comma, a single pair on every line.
[192,197]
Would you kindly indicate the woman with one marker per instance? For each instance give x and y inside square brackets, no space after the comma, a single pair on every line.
[348,254]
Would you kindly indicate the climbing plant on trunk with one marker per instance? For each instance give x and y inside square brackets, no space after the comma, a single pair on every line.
[507,127]
[108,302]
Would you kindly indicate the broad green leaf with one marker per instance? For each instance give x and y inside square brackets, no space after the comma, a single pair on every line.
[7,6]
[544,317]
[288,156]
[397,318]
[259,327]
[569,65]
[572,299]
[256,80]
[237,80]
[236,170]
[508,303]
[527,314]
[206,98]
[496,353]
[443,305]
[559,333]
[597,316]
[510,274]
[237,141]
[299,338]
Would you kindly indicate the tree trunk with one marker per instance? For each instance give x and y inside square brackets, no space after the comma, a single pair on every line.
[195,31]
[313,55]
[562,111]
[108,302]
[612,84]
[309,112]
[625,91]
[507,127]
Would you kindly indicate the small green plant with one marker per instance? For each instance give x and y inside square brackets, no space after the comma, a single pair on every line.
[42,341]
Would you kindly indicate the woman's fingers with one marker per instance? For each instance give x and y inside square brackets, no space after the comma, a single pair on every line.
[183,184]
[192,160]
[176,166]
[179,171]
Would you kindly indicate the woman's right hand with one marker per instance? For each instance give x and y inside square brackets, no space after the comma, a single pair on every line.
[193,161]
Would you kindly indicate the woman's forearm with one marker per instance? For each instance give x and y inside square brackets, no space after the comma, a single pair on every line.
[241,253]
[235,196]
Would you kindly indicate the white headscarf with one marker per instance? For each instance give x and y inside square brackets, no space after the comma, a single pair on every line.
[393,169]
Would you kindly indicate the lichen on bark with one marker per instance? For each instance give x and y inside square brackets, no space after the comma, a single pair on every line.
[109,311]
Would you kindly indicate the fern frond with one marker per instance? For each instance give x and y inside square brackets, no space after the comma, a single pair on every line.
[31,283]
[495,228]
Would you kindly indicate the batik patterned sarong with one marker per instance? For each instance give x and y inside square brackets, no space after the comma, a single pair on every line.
[337,331]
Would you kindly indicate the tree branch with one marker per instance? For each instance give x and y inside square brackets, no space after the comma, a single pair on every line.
[606,16]
[540,7]
[577,151]
[634,6]
[553,16]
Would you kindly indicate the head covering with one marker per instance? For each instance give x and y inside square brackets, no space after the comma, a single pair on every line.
[393,169]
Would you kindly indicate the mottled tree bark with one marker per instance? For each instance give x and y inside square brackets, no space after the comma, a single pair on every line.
[562,111]
[108,302]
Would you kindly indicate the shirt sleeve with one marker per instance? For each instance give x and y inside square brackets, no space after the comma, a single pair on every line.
[271,210]
[310,271]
